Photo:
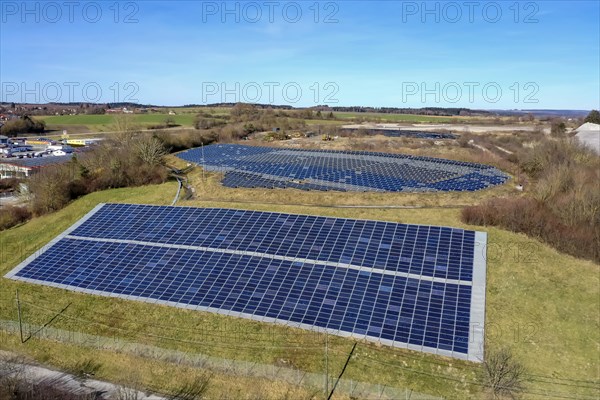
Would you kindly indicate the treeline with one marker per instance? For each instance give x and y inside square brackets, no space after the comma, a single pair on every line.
[243,120]
[562,207]
[22,125]
[230,105]
[126,160]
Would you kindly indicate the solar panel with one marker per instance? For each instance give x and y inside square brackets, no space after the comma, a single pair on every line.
[402,133]
[410,286]
[253,166]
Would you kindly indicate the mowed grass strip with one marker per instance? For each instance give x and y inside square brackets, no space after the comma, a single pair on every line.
[540,303]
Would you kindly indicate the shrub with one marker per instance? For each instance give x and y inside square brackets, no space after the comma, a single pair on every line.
[593,117]
[463,141]
[49,189]
[503,376]
[535,219]
[23,125]
[135,162]
[175,141]
[9,184]
[193,389]
[13,215]
[202,122]
[554,152]
[558,128]
[86,368]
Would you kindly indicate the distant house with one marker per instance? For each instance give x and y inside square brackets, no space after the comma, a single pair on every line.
[589,135]
[123,110]
[3,139]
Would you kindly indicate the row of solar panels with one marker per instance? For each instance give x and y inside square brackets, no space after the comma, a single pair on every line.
[418,287]
[405,133]
[218,152]
[423,250]
[249,166]
[420,313]
[462,184]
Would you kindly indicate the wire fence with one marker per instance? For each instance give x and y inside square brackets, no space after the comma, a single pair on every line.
[316,381]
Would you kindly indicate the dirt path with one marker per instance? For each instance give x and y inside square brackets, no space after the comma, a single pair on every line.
[450,127]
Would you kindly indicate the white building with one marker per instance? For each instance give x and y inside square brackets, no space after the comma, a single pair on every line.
[589,135]
[25,167]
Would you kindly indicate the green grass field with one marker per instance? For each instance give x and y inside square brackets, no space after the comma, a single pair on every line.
[105,123]
[540,303]
[185,117]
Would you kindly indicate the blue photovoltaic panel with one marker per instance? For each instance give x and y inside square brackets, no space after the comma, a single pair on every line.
[253,166]
[402,133]
[265,266]
[416,249]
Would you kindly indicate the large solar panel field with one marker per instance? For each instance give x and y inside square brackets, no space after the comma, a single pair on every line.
[403,133]
[410,286]
[267,167]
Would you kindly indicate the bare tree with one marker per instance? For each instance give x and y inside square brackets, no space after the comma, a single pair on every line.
[503,376]
[150,150]
[124,128]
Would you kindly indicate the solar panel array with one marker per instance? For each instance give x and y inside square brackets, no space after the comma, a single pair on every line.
[404,133]
[410,286]
[267,167]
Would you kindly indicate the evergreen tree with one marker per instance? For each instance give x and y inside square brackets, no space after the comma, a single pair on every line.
[593,117]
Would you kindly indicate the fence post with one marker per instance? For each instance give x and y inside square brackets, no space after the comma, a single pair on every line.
[19,312]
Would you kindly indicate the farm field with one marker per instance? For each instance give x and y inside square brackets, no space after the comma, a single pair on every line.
[185,117]
[99,123]
[552,335]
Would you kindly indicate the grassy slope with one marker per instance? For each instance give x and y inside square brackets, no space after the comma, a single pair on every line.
[158,376]
[540,303]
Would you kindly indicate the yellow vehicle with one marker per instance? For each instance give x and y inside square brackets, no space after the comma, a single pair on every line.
[81,142]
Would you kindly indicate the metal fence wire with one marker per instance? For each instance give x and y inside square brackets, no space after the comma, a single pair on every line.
[292,376]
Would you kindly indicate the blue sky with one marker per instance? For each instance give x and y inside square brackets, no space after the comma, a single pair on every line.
[491,55]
